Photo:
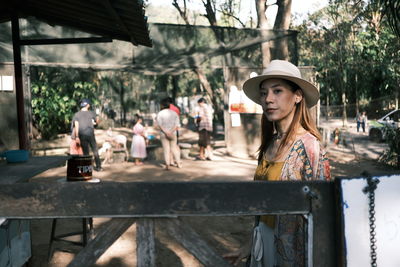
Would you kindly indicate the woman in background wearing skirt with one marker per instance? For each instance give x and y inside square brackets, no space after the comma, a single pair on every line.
[138,147]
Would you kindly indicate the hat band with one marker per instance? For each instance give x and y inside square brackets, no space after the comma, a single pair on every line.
[284,73]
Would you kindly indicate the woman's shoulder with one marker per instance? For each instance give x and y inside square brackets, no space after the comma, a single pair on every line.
[307,141]
[310,154]
[307,136]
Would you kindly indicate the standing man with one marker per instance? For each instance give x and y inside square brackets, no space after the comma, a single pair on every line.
[178,112]
[364,120]
[358,120]
[168,123]
[204,119]
[84,121]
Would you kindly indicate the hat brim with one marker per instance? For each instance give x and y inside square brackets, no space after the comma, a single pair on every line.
[251,88]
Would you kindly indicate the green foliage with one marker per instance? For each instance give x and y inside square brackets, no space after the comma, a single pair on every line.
[390,8]
[56,94]
[354,51]
[392,155]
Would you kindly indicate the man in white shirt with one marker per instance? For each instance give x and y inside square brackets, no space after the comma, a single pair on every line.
[168,123]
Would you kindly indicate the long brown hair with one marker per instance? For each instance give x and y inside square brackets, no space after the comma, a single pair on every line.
[302,117]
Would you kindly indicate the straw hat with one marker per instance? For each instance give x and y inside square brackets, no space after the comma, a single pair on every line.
[281,69]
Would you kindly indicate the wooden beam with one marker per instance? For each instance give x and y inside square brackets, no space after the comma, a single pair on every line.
[194,243]
[149,200]
[145,242]
[94,29]
[140,199]
[106,236]
[65,41]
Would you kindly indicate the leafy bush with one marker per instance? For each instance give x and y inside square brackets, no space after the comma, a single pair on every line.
[56,94]
[392,155]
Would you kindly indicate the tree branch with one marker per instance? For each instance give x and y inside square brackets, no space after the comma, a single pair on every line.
[232,16]
[210,12]
[182,13]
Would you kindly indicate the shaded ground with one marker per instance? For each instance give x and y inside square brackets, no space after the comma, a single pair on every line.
[225,234]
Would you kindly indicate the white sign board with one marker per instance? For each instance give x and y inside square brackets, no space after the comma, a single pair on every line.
[6,83]
[235,119]
[355,207]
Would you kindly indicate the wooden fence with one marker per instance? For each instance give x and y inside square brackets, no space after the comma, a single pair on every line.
[144,203]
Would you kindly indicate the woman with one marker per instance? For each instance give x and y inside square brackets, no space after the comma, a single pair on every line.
[290,150]
[138,147]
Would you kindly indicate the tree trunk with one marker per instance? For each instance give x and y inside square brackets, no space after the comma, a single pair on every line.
[182,12]
[282,23]
[262,24]
[204,82]
[356,90]
[206,85]
[344,97]
[175,86]
[210,15]
[121,99]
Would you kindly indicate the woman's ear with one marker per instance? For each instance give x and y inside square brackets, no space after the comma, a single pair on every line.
[298,96]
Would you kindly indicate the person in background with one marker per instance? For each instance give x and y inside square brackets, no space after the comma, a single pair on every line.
[290,150]
[358,120]
[74,147]
[173,107]
[363,121]
[336,136]
[168,123]
[178,112]
[138,147]
[204,120]
[84,121]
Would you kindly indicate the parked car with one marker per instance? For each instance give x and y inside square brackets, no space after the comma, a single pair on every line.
[377,127]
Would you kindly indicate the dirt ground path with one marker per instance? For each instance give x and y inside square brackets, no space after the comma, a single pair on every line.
[224,234]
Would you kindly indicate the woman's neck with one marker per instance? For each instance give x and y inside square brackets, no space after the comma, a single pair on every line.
[281,128]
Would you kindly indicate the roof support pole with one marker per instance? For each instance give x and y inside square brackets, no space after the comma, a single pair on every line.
[19,88]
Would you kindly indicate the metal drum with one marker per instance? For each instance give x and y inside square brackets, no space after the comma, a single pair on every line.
[79,168]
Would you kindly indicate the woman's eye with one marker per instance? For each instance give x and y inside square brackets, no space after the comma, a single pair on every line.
[263,93]
[277,91]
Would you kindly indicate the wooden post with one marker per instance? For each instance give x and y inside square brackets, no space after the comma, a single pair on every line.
[145,242]
[194,243]
[107,235]
[19,89]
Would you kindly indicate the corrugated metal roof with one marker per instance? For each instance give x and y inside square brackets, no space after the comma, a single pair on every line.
[117,19]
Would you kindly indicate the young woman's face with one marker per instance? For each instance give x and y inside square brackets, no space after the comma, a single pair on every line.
[278,100]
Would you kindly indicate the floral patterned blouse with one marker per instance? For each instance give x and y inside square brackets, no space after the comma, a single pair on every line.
[306,161]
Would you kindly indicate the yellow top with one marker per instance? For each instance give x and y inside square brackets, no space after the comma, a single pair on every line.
[269,171]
